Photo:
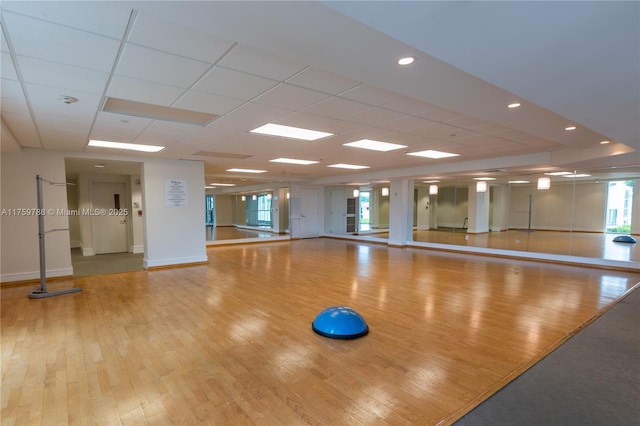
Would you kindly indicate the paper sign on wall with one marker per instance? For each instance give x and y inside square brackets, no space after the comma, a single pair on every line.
[175,192]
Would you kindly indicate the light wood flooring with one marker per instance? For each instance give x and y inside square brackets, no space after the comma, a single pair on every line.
[231,342]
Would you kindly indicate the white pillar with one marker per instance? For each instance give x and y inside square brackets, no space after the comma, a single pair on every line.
[401,212]
[423,208]
[478,210]
[499,208]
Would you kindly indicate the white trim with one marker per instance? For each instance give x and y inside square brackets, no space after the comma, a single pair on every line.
[24,276]
[146,263]
[87,251]
[137,249]
[75,244]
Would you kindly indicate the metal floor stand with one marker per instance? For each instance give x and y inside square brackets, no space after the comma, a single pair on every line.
[42,292]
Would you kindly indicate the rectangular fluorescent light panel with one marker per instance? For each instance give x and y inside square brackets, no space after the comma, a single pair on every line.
[290,132]
[246,171]
[293,161]
[432,154]
[374,145]
[348,166]
[222,184]
[122,145]
[576,175]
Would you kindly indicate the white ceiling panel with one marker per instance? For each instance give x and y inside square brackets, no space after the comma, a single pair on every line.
[62,76]
[315,122]
[374,116]
[178,39]
[253,61]
[3,44]
[6,66]
[159,67]
[440,114]
[22,128]
[371,95]
[336,107]
[205,102]
[323,81]
[164,132]
[100,17]
[233,84]
[408,105]
[11,89]
[290,97]
[57,43]
[63,139]
[143,91]
[405,123]
[45,103]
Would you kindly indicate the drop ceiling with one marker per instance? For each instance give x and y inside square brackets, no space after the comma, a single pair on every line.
[332,67]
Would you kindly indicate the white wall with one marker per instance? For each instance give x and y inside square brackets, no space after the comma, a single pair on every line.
[19,257]
[136,220]
[173,234]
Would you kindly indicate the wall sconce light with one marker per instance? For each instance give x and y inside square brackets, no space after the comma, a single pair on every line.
[433,189]
[385,192]
[269,196]
[481,186]
[544,183]
[254,197]
[244,198]
[356,193]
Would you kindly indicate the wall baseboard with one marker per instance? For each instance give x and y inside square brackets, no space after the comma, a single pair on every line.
[35,275]
[137,249]
[182,261]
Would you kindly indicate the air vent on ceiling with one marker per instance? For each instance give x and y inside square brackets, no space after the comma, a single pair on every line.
[221,155]
[157,112]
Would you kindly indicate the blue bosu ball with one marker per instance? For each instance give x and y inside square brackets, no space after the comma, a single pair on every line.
[340,322]
[624,239]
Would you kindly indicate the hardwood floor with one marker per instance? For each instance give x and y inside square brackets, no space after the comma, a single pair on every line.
[231,342]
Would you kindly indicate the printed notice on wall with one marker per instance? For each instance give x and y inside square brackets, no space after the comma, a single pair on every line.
[175,192]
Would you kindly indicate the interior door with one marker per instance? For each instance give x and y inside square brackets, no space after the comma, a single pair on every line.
[109,219]
[338,209]
[309,213]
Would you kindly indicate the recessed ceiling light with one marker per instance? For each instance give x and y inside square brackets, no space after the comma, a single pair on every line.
[569,128]
[604,142]
[122,145]
[293,161]
[557,173]
[484,178]
[577,175]
[518,181]
[222,184]
[432,154]
[430,181]
[513,105]
[348,166]
[290,132]
[246,171]
[99,166]
[408,60]
[374,145]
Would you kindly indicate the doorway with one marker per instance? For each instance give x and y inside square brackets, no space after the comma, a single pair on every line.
[109,217]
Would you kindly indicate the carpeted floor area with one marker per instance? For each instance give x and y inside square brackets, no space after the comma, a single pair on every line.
[101,264]
[592,379]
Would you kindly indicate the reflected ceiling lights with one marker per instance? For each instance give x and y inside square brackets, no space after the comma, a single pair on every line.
[293,161]
[246,171]
[128,146]
[374,145]
[432,154]
[348,166]
[569,128]
[513,105]
[290,132]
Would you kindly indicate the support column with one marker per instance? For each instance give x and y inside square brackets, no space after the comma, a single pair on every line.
[401,212]
[478,212]
[499,208]
[423,208]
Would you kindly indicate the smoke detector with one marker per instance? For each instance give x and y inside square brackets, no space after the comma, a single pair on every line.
[68,100]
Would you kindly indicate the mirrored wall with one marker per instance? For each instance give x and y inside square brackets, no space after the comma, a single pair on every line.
[567,212]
